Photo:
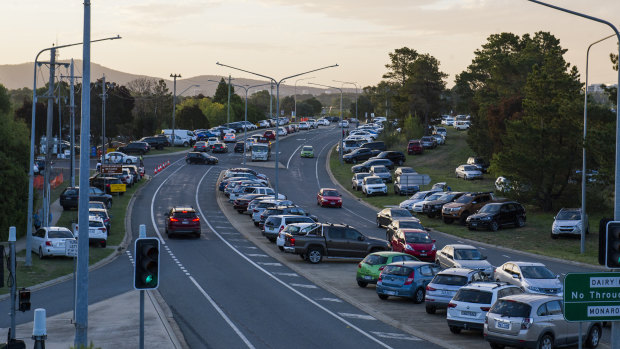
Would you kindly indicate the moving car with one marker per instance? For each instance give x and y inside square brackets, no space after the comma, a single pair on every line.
[329,197]
[219,147]
[201,146]
[307,151]
[182,220]
[229,138]
[406,279]
[49,242]
[494,215]
[370,267]
[530,276]
[463,256]
[195,157]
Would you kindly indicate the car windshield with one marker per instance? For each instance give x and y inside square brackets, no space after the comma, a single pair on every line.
[419,195]
[330,193]
[374,181]
[473,296]
[95,224]
[184,214]
[465,199]
[417,238]
[468,254]
[452,280]
[490,208]
[511,308]
[396,270]
[361,175]
[469,168]
[536,272]
[410,225]
[380,170]
[374,259]
[401,213]
[59,234]
[565,215]
[434,197]
[446,197]
[99,214]
[307,148]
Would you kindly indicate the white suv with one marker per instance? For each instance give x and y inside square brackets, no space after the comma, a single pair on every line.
[275,224]
[373,185]
[469,306]
[531,277]
[97,232]
[568,221]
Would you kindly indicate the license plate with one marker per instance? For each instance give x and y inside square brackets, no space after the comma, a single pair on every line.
[367,277]
[332,203]
[446,293]
[503,325]
[468,313]
[474,224]
[184,222]
[391,293]
[423,254]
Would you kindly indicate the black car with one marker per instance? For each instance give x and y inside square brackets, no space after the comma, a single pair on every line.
[366,165]
[479,162]
[387,215]
[69,197]
[196,157]
[239,147]
[397,157]
[156,142]
[219,147]
[359,155]
[433,208]
[135,148]
[378,145]
[494,215]
[401,224]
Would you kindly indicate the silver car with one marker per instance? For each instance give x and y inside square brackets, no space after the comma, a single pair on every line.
[534,321]
[568,222]
[531,277]
[443,287]
[463,256]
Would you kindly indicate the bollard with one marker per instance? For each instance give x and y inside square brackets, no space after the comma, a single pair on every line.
[39,332]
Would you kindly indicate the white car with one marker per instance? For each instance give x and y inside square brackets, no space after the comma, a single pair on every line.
[366,139]
[304,125]
[211,141]
[323,121]
[344,124]
[229,137]
[116,157]
[50,241]
[568,222]
[468,172]
[294,229]
[97,232]
[282,131]
[417,207]
[417,197]
[358,179]
[263,124]
[531,277]
[449,121]
[363,133]
[373,185]
[461,125]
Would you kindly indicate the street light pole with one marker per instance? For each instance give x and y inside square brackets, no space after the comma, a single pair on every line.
[615,326]
[228,110]
[295,93]
[174,103]
[341,120]
[356,95]
[277,165]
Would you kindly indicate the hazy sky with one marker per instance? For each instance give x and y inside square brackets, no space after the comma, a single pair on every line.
[280,38]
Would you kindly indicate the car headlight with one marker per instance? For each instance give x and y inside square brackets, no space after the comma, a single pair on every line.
[534,289]
[408,248]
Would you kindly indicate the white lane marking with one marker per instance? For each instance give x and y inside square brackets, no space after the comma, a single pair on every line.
[506,256]
[316,167]
[256,264]
[389,335]
[357,316]
[286,274]
[219,310]
[161,239]
[291,157]
[460,241]
[223,227]
[229,233]
[335,300]
[481,248]
[269,264]
[304,286]
[362,217]
[250,247]
[257,255]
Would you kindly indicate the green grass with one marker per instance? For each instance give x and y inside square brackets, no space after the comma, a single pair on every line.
[439,164]
[51,268]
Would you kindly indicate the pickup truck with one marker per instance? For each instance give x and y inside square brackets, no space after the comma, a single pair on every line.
[333,240]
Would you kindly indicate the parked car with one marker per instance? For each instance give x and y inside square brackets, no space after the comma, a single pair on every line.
[294,229]
[446,283]
[415,147]
[304,126]
[433,208]
[358,179]
[415,242]
[479,162]
[441,131]
[97,232]
[461,125]
[568,222]
[263,203]
[468,308]
[359,155]
[219,147]
[104,215]
[428,142]
[307,151]
[463,256]
[182,220]
[467,204]
[377,145]
[116,157]
[418,207]
[494,215]
[50,241]
[439,139]
[381,172]
[366,165]
[403,223]
[417,197]
[406,279]
[370,267]
[105,182]
[373,185]
[403,170]
[535,321]
[468,172]
[69,197]
[282,210]
[200,158]
[158,142]
[329,197]
[387,215]
[531,277]
[276,223]
[135,148]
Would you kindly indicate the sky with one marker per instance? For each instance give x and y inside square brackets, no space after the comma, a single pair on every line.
[280,38]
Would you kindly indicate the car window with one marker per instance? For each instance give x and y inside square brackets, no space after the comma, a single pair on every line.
[397,259]
[473,296]
[352,234]
[95,224]
[373,259]
[336,232]
[452,280]
[40,233]
[426,270]
[511,308]
[542,310]
[554,308]
[397,270]
[537,272]
[59,234]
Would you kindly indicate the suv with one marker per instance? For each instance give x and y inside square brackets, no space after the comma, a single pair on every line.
[415,147]
[530,276]
[135,147]
[479,162]
[156,142]
[468,308]
[359,154]
[264,204]
[358,179]
[396,157]
[428,142]
[535,321]
[381,172]
[366,165]
[372,185]
[464,206]
[568,221]
[446,283]
[433,208]
[378,145]
[182,220]
[69,197]
[497,214]
[103,182]
[275,223]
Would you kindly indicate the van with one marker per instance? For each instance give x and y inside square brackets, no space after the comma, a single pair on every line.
[260,152]
[181,137]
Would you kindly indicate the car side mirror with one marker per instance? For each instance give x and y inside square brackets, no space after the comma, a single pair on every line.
[361,238]
[434,240]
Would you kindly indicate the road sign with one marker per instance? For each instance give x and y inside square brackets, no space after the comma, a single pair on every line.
[592,296]
[112,169]
[71,248]
[118,188]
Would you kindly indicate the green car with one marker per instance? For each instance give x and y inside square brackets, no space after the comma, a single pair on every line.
[307,151]
[369,269]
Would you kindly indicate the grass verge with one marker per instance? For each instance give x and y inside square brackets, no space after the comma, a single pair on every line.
[439,164]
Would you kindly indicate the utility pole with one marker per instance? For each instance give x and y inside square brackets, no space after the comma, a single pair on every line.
[72,98]
[48,140]
[103,100]
[174,103]
[59,142]
[228,112]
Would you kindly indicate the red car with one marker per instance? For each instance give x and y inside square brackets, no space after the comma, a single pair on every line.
[182,220]
[415,147]
[415,242]
[329,197]
[269,134]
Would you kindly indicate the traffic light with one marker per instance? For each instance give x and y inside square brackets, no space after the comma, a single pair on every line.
[146,270]
[613,245]
[24,299]
[602,240]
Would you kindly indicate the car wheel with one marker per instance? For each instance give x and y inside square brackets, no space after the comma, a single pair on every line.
[545,342]
[496,346]
[382,296]
[431,215]
[448,220]
[431,309]
[494,226]
[378,224]
[418,297]
[470,227]
[104,244]
[41,256]
[594,337]
[464,216]
[455,330]
[315,255]
[281,248]
[521,222]
[361,283]
[186,144]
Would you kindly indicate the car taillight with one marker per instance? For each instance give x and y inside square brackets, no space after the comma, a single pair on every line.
[409,280]
[485,308]
[526,323]
[292,240]
[48,243]
[107,185]
[197,219]
[174,220]
[451,305]
[255,210]
[282,227]
[428,288]
[381,268]
[103,229]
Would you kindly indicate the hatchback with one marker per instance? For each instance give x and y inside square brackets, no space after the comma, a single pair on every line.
[103,214]
[219,148]
[415,147]
[444,286]
[531,277]
[229,138]
[201,146]
[50,241]
[182,220]
[97,232]
[370,267]
[307,151]
[329,197]
[415,242]
[406,279]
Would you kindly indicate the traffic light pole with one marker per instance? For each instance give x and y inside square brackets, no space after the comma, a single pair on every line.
[141,319]
[12,280]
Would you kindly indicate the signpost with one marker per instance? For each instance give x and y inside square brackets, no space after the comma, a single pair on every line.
[418,179]
[112,169]
[592,297]
[71,248]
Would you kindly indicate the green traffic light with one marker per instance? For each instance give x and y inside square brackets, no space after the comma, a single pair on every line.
[149,279]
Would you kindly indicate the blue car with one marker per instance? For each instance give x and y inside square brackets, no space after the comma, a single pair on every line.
[406,279]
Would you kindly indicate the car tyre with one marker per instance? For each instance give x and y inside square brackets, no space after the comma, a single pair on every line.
[520,222]
[281,248]
[431,215]
[362,283]
[315,255]
[455,330]
[553,236]
[594,337]
[378,224]
[448,220]
[496,346]
[104,244]
[494,226]
[382,296]
[463,218]
[545,342]
[41,256]
[185,144]
[418,296]
[430,309]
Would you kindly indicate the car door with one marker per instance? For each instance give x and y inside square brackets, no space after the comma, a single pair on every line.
[447,257]
[357,246]
[565,332]
[427,275]
[395,241]
[336,241]
[506,214]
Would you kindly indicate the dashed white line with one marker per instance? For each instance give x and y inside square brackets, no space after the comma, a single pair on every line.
[161,239]
[286,274]
[357,316]
[389,335]
[272,264]
[326,299]
[257,255]
[304,286]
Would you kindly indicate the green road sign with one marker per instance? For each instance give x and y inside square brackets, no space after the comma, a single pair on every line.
[592,296]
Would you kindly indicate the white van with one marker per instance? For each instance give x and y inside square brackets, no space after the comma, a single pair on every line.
[260,152]
[181,137]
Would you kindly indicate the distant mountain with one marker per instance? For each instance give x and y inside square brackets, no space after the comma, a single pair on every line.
[15,76]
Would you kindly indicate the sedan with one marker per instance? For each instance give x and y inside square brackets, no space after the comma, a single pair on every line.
[329,197]
[468,172]
[201,146]
[269,134]
[50,241]
[219,147]
[117,157]
[229,137]
[406,279]
[200,158]
[369,268]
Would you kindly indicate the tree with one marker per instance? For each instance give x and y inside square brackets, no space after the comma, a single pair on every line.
[400,65]
[221,93]
[152,106]
[287,105]
[191,117]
